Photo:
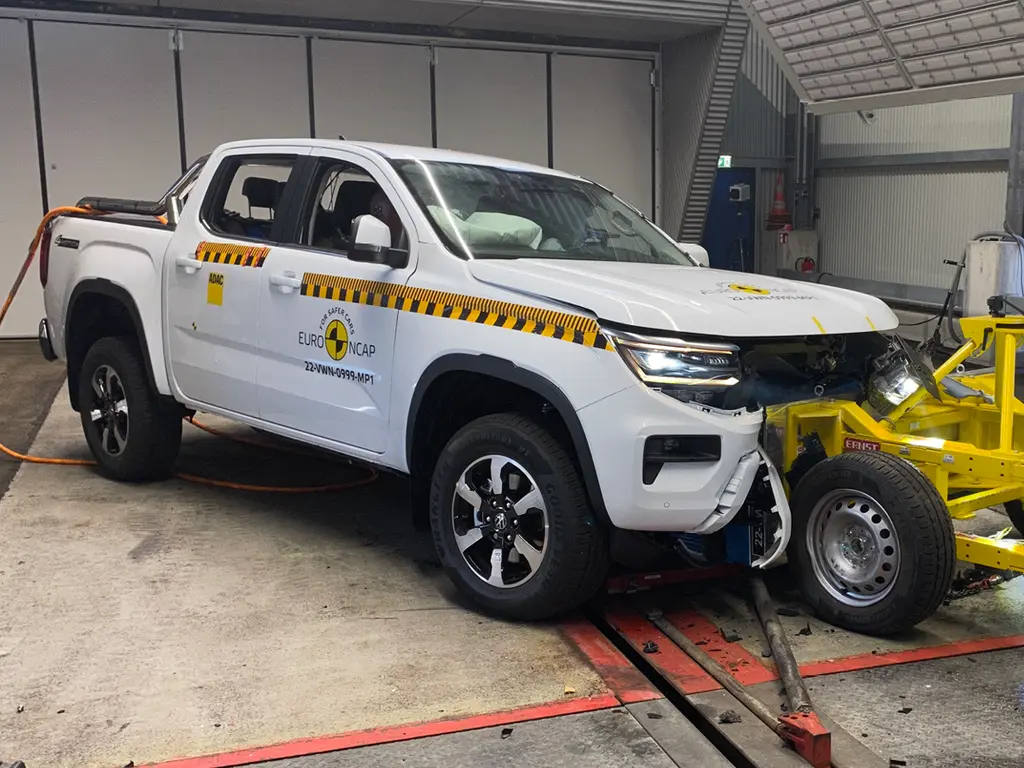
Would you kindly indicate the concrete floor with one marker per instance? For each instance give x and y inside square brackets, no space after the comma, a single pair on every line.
[27,386]
[144,623]
[152,622]
[997,613]
[649,735]
[961,712]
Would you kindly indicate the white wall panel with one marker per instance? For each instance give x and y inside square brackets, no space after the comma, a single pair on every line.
[20,202]
[109,114]
[493,102]
[372,91]
[966,124]
[898,226]
[242,87]
[602,123]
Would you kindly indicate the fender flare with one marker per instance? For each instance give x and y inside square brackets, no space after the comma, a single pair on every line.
[506,370]
[104,287]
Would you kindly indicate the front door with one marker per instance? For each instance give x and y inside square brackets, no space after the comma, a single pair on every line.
[213,267]
[326,343]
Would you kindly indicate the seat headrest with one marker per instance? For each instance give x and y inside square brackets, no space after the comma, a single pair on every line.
[354,197]
[260,192]
[381,207]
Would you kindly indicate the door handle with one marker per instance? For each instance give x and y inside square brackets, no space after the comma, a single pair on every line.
[190,265]
[286,283]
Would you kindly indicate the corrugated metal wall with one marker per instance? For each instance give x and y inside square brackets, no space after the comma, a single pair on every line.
[898,226]
[757,117]
[687,77]
[897,223]
[698,11]
[767,242]
[968,124]
[727,65]
[756,133]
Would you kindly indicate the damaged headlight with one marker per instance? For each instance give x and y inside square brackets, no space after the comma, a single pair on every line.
[897,376]
[689,371]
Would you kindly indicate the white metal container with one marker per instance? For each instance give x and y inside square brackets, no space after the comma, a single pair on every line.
[993,268]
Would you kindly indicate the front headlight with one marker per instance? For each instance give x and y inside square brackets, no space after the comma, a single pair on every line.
[891,386]
[690,371]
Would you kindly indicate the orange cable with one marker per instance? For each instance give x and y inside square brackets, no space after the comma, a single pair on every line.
[370,476]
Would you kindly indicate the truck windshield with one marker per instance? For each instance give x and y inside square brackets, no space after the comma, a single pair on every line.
[488,212]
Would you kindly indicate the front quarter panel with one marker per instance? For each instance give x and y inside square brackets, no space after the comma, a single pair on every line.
[582,374]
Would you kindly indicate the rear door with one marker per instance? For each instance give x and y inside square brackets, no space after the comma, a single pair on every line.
[326,334]
[213,268]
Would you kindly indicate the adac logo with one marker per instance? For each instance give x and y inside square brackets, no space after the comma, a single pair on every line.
[739,288]
[336,340]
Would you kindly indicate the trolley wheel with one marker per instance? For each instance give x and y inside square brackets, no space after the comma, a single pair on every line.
[873,546]
[1015,511]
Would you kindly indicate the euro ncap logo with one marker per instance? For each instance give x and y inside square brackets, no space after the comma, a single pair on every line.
[749,289]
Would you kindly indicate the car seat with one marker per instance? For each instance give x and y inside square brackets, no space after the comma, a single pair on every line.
[260,193]
[381,208]
[353,200]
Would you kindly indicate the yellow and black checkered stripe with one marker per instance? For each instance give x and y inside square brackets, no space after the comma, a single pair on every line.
[514,317]
[231,254]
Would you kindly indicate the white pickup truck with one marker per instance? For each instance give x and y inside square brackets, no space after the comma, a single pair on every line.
[548,366]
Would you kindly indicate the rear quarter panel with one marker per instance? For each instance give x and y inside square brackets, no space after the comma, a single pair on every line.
[126,255]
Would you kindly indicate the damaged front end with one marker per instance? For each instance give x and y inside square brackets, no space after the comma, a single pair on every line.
[775,373]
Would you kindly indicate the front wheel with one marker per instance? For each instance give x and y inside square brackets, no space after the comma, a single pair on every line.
[132,435]
[511,521]
[873,545]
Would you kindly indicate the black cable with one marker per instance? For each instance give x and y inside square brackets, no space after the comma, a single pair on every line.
[922,322]
[949,304]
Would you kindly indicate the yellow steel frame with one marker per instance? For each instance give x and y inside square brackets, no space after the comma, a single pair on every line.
[971,450]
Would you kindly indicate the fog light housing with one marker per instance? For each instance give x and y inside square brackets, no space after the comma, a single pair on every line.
[678,449]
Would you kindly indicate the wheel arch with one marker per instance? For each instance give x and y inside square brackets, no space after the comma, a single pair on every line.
[85,324]
[505,371]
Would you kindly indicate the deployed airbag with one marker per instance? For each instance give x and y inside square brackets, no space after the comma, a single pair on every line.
[489,228]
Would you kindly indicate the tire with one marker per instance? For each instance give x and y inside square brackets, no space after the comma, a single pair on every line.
[900,553]
[1015,511]
[144,434]
[573,557]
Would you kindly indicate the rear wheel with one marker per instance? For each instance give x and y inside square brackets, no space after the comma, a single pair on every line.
[873,546]
[1015,511]
[132,435]
[511,521]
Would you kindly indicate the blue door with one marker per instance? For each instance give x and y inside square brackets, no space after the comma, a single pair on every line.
[729,227]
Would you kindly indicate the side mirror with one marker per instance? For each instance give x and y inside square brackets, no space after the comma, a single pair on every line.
[371,243]
[696,252]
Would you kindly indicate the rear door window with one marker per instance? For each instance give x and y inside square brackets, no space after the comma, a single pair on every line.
[245,195]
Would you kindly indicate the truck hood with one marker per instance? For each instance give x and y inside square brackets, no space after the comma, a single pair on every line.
[693,300]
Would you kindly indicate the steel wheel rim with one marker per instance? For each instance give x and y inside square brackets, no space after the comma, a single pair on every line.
[500,521]
[109,410]
[853,547]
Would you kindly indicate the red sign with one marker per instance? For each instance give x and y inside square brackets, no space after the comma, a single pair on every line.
[855,444]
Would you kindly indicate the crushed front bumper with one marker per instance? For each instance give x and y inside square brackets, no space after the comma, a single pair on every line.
[701,496]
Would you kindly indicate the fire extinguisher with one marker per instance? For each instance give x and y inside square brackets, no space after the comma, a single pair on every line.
[805,264]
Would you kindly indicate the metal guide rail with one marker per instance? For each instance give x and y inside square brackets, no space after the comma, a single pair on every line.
[757,714]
